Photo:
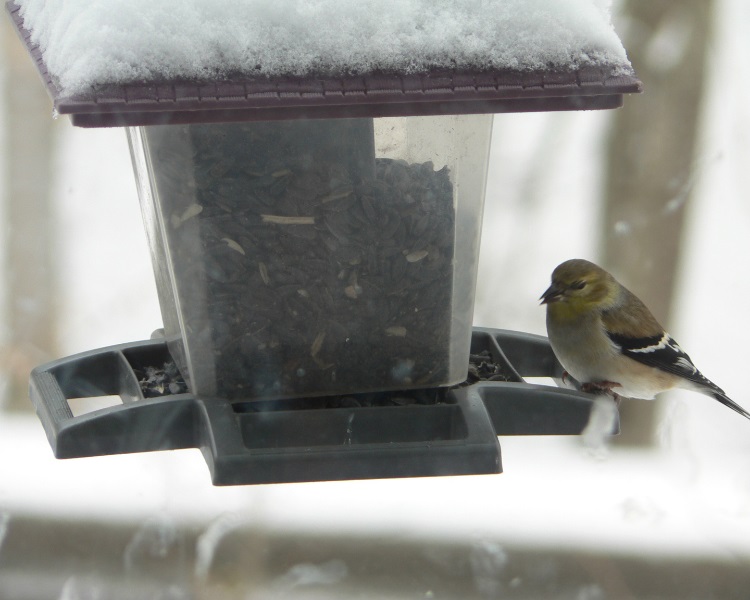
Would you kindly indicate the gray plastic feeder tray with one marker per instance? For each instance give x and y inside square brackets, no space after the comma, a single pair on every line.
[392,434]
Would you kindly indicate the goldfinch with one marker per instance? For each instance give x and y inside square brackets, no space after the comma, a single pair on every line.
[607,339]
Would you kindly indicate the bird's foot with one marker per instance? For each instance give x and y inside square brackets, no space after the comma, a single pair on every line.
[565,375]
[602,387]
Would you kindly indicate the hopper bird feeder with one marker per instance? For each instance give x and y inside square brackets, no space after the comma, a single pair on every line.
[315,239]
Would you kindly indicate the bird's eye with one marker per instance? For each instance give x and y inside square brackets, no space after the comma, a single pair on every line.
[578,285]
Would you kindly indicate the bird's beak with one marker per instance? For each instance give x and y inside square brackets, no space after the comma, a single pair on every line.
[553,294]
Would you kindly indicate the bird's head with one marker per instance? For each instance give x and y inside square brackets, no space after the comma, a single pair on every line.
[579,285]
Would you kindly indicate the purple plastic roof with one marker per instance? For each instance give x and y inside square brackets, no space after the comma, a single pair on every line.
[373,95]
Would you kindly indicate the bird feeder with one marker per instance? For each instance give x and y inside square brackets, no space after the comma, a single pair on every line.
[315,242]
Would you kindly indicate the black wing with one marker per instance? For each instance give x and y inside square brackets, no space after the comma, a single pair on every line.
[663,353]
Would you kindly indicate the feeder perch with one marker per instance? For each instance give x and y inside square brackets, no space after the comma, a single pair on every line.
[426,432]
[315,242]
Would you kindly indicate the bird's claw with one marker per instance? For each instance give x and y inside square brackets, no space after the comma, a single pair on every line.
[602,387]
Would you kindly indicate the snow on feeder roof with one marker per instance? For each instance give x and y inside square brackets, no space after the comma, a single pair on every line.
[135,62]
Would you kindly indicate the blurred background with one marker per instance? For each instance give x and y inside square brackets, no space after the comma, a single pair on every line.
[658,192]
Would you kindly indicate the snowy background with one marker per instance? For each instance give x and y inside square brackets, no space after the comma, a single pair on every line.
[688,495]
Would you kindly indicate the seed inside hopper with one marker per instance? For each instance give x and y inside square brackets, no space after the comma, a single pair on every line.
[416,256]
[234,245]
[284,220]
[396,331]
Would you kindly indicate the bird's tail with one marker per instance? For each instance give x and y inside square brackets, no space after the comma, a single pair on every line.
[726,401]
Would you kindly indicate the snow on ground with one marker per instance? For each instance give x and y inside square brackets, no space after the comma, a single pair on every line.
[553,493]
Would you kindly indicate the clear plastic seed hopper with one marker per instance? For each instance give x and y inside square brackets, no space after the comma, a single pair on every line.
[314,239]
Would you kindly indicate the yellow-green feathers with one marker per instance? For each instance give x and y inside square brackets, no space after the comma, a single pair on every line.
[580,288]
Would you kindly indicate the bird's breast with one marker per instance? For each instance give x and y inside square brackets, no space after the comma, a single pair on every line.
[581,347]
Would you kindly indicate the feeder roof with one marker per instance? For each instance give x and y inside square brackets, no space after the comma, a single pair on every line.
[139,62]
